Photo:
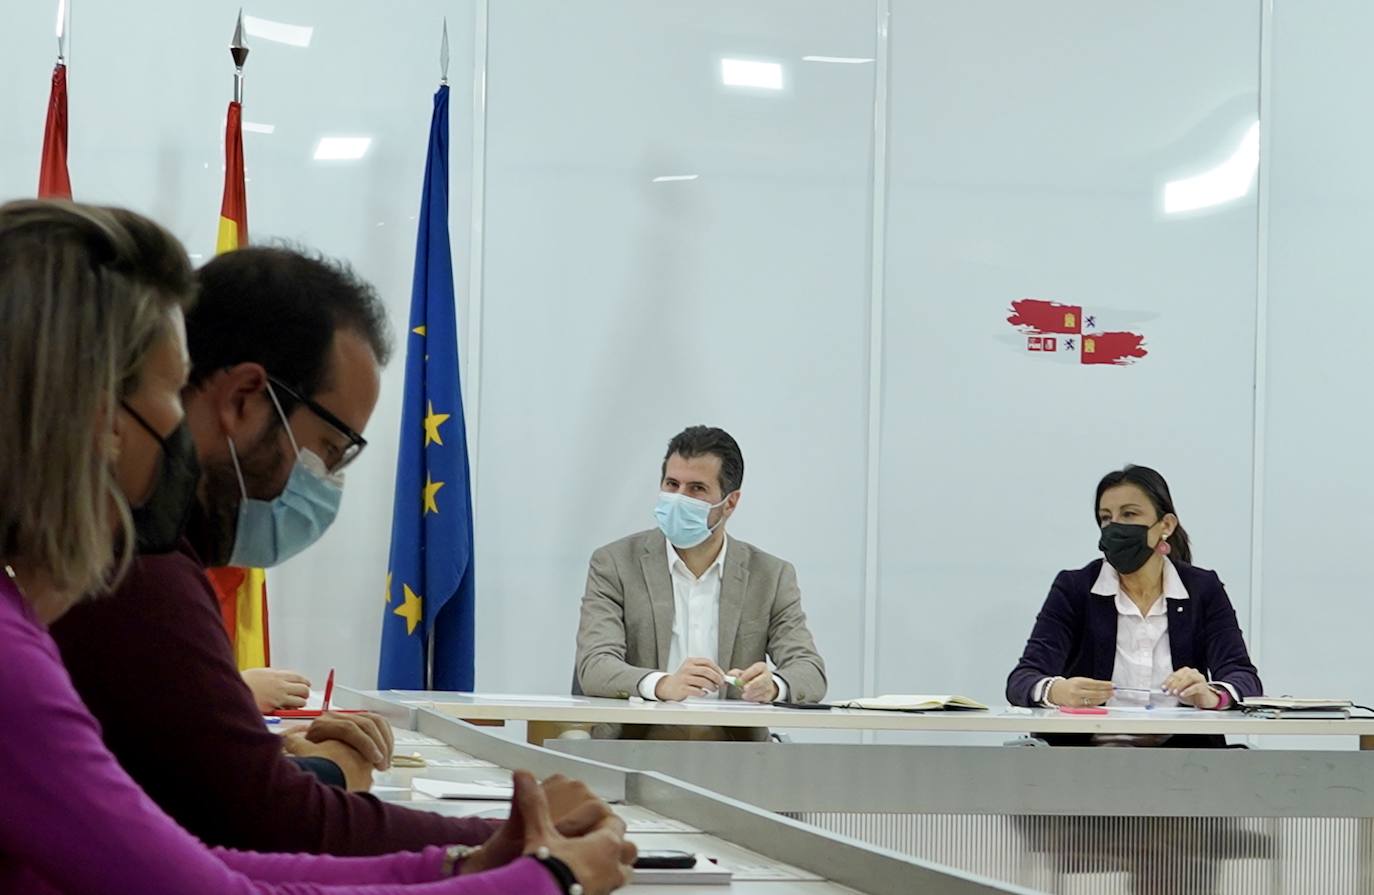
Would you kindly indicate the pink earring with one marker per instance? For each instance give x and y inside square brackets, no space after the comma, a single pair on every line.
[1164,549]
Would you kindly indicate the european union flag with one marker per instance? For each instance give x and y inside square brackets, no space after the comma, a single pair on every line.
[427,629]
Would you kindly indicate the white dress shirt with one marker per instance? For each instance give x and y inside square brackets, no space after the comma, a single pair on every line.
[1143,657]
[696,620]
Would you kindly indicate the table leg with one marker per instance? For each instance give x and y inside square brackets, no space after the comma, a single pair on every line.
[1365,836]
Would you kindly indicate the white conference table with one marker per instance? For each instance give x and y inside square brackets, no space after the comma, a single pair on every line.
[540,711]
[754,873]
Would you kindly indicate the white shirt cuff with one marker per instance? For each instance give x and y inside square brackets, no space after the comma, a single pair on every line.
[782,689]
[649,683]
[1041,694]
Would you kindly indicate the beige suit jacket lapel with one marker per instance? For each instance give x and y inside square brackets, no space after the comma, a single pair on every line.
[654,562]
[733,587]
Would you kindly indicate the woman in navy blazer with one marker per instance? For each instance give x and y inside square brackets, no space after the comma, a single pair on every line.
[1144,618]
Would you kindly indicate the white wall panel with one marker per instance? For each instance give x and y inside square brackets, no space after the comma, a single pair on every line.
[619,310]
[1029,145]
[1319,436]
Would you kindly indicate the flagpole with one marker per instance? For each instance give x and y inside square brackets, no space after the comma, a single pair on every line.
[239,51]
[443,55]
[429,632]
[63,14]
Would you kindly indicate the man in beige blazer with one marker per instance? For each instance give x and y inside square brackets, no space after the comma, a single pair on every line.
[672,612]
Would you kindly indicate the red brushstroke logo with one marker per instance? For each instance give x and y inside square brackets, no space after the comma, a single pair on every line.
[1068,332]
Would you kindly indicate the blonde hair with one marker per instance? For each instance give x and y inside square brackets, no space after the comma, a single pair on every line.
[84,296]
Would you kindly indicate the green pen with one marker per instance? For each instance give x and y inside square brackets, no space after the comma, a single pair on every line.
[734,681]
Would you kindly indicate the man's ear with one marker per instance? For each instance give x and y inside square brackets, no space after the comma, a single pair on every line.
[231,391]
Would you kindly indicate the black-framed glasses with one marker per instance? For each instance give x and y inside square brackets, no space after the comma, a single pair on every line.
[356,442]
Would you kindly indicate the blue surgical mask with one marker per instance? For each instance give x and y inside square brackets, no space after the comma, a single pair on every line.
[683,519]
[272,531]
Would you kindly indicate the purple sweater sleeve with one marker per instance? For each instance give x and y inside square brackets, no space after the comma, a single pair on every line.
[420,870]
[223,776]
[73,821]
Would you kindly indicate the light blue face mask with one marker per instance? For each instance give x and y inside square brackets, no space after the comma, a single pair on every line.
[272,531]
[683,519]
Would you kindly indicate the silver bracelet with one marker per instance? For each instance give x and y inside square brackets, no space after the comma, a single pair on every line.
[454,856]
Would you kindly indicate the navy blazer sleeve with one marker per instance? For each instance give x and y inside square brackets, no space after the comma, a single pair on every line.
[1049,650]
[1224,653]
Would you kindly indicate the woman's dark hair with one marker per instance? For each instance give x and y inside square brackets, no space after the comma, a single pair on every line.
[1155,488]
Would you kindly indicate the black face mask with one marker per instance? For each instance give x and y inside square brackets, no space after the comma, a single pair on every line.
[1127,547]
[159,522]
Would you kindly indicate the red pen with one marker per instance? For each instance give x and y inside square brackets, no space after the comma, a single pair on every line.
[315,713]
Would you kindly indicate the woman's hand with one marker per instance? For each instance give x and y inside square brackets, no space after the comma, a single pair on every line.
[274,689]
[1080,691]
[600,858]
[1191,688]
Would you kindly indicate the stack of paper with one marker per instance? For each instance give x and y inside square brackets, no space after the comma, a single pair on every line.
[477,791]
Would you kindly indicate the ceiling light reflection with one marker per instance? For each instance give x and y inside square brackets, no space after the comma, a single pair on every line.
[670,178]
[341,149]
[278,32]
[1227,182]
[747,73]
[838,60]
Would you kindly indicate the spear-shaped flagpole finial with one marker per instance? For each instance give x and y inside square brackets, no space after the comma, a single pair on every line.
[443,55]
[62,22]
[239,50]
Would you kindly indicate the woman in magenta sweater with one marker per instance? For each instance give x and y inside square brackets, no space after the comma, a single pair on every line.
[95,461]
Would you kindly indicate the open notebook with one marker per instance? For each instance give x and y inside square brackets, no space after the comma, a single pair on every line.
[1296,703]
[922,703]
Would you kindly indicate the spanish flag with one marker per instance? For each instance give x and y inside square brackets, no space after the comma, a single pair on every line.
[233,209]
[242,592]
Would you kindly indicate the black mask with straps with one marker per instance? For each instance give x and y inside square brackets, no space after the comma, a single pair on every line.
[161,519]
[1127,547]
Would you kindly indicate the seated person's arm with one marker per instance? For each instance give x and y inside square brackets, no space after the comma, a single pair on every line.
[800,675]
[276,689]
[326,770]
[1226,655]
[356,743]
[601,642]
[1037,678]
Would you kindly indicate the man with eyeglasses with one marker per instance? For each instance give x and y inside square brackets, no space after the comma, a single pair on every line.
[286,357]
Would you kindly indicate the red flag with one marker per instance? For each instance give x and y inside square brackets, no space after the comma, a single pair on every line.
[233,209]
[53,182]
[1039,316]
[1113,348]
